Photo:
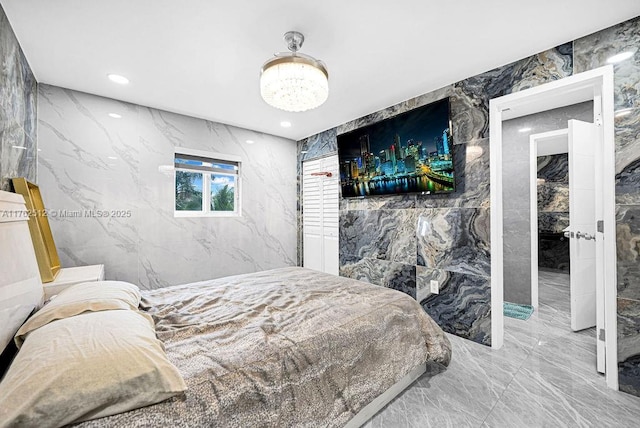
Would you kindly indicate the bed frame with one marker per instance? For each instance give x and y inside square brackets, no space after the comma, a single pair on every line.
[383,399]
[21,292]
[20,286]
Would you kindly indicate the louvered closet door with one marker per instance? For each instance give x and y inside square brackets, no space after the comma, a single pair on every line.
[320,214]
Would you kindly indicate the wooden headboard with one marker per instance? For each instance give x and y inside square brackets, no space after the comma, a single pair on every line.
[20,286]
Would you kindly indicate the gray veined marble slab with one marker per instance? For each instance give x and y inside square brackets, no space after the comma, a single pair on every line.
[18,110]
[463,304]
[517,279]
[628,251]
[516,194]
[454,239]
[470,106]
[629,345]
[17,82]
[17,154]
[319,145]
[389,202]
[553,184]
[399,276]
[593,51]
[628,158]
[554,168]
[515,230]
[553,197]
[553,222]
[381,234]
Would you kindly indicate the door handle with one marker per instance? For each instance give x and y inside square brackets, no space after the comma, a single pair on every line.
[585,236]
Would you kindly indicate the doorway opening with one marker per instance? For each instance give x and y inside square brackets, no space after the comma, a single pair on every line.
[549,206]
[595,87]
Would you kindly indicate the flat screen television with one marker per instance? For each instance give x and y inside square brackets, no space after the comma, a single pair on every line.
[407,153]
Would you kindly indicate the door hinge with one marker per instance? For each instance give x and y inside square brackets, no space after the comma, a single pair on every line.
[602,335]
[600,226]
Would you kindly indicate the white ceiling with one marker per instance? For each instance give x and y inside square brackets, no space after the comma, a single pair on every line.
[202,57]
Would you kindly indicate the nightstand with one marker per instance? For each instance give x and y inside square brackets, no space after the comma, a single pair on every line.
[70,276]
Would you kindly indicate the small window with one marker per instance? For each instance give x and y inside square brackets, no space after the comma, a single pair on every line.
[206,186]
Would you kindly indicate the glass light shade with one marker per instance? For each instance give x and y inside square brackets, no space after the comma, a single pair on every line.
[294,83]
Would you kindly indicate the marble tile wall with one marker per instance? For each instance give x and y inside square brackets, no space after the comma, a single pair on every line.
[18,110]
[90,161]
[404,242]
[516,165]
[462,307]
[591,52]
[553,212]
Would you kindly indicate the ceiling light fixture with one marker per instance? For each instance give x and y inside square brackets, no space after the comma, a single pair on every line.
[115,115]
[294,81]
[285,124]
[620,57]
[116,78]
[524,129]
[250,141]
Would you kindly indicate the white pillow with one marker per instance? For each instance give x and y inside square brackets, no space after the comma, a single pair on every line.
[79,298]
[85,367]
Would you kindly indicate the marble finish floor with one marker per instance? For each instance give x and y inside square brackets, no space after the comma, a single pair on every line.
[544,376]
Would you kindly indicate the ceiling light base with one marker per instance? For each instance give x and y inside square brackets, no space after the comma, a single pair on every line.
[294,40]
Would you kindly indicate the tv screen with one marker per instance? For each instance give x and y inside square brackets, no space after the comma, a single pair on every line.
[407,153]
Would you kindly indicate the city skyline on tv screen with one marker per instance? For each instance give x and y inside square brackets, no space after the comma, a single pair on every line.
[408,153]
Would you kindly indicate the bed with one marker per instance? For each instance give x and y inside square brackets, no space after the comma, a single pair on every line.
[285,347]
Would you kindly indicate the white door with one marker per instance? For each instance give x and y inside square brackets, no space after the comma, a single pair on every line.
[320,193]
[582,223]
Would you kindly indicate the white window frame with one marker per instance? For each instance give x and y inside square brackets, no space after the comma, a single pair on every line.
[206,184]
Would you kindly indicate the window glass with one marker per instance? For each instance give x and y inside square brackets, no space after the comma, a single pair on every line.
[206,186]
[188,191]
[223,192]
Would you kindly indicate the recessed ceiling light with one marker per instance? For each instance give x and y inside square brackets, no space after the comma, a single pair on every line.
[118,79]
[112,157]
[285,124]
[250,141]
[524,129]
[624,112]
[620,57]
[115,115]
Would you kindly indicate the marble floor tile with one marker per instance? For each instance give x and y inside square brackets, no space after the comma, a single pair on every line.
[544,376]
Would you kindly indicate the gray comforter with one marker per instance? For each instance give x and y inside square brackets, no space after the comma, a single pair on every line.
[281,348]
